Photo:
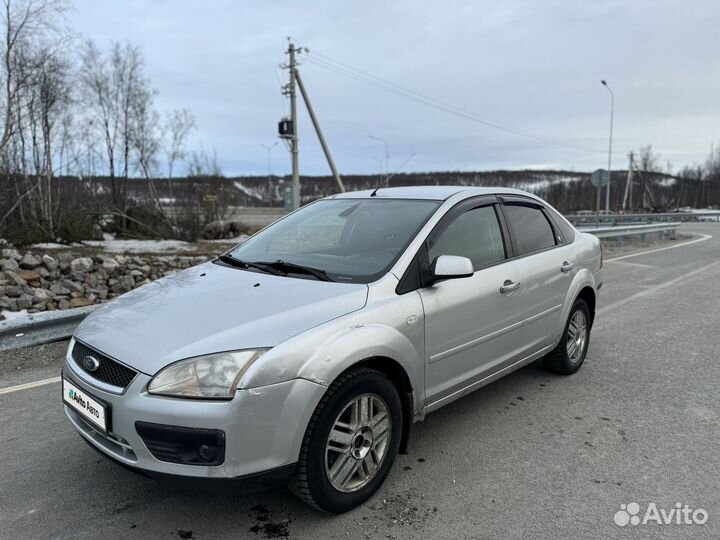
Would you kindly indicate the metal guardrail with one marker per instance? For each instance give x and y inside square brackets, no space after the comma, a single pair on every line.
[580,219]
[39,328]
[620,231]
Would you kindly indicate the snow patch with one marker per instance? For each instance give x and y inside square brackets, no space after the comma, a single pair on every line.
[53,245]
[12,315]
[250,192]
[237,240]
[112,245]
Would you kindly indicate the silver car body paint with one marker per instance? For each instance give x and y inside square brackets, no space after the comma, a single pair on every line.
[319,329]
[212,308]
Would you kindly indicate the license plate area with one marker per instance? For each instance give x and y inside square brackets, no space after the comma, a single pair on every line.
[89,407]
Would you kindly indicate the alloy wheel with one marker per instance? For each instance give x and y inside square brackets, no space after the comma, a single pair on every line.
[576,336]
[358,443]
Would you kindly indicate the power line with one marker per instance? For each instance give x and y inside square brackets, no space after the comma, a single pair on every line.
[348,71]
[345,69]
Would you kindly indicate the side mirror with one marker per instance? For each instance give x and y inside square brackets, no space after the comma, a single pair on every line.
[451,267]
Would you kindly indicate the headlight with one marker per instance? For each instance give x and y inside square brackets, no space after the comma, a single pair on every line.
[211,376]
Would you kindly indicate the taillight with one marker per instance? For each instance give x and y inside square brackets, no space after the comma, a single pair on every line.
[601,255]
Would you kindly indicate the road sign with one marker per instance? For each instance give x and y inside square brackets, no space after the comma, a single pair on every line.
[599,178]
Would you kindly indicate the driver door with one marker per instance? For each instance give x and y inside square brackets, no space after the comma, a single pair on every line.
[472,329]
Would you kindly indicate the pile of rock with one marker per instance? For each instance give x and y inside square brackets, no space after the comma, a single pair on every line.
[34,282]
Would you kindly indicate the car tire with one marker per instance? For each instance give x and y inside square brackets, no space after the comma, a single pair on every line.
[341,441]
[570,353]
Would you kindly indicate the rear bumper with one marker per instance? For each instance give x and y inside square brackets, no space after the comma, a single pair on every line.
[263,427]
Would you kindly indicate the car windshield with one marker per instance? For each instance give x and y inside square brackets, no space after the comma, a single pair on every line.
[354,240]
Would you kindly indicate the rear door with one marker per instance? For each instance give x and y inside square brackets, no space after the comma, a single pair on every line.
[472,328]
[547,262]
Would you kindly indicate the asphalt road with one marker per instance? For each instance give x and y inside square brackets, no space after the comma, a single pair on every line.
[533,455]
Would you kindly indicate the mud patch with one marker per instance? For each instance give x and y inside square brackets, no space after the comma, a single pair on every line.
[267,528]
[403,509]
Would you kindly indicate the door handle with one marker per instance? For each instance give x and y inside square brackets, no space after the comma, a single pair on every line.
[509,286]
[566,267]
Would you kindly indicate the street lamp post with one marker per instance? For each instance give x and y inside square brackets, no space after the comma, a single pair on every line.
[381,165]
[612,114]
[269,149]
[387,154]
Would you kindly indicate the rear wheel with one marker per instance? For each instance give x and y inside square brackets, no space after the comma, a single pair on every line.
[570,353]
[351,441]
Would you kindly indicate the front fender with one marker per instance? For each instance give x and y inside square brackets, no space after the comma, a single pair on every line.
[359,343]
[392,330]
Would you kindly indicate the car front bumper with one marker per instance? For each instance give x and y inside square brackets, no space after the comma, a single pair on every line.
[263,427]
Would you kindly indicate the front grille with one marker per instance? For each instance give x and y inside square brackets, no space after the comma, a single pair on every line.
[109,371]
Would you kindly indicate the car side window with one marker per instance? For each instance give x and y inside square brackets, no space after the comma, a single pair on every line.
[532,230]
[474,234]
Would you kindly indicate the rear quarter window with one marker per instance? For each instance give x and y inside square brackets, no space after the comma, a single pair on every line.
[567,230]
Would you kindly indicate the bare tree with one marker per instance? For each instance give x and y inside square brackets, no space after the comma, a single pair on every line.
[202,164]
[23,21]
[35,93]
[712,177]
[117,94]
[51,92]
[176,130]
[100,105]
[101,118]
[647,162]
[178,125]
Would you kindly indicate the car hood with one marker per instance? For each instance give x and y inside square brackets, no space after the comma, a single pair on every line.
[212,308]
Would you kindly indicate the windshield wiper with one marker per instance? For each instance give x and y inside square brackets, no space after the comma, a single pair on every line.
[228,259]
[290,267]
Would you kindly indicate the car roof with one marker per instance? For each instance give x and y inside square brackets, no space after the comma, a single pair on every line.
[428,192]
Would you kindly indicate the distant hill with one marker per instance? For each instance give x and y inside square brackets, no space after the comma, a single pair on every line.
[569,191]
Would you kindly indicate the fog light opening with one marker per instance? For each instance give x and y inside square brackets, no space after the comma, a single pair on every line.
[206,453]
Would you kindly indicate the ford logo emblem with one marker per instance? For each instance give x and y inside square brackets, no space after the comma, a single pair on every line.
[91,363]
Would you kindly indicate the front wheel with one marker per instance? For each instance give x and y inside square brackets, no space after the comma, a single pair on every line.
[350,443]
[570,353]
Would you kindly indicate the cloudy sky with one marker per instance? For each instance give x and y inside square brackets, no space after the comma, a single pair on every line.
[533,67]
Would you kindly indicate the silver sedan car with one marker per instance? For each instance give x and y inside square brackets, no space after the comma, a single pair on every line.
[305,354]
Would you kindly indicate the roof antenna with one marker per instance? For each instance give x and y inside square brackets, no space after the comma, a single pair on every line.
[374,191]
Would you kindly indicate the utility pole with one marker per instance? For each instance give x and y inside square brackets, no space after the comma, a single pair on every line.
[387,156]
[269,148]
[381,175]
[289,129]
[706,177]
[389,176]
[628,184]
[612,115]
[293,118]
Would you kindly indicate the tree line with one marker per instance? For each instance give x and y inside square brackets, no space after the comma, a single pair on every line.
[71,113]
